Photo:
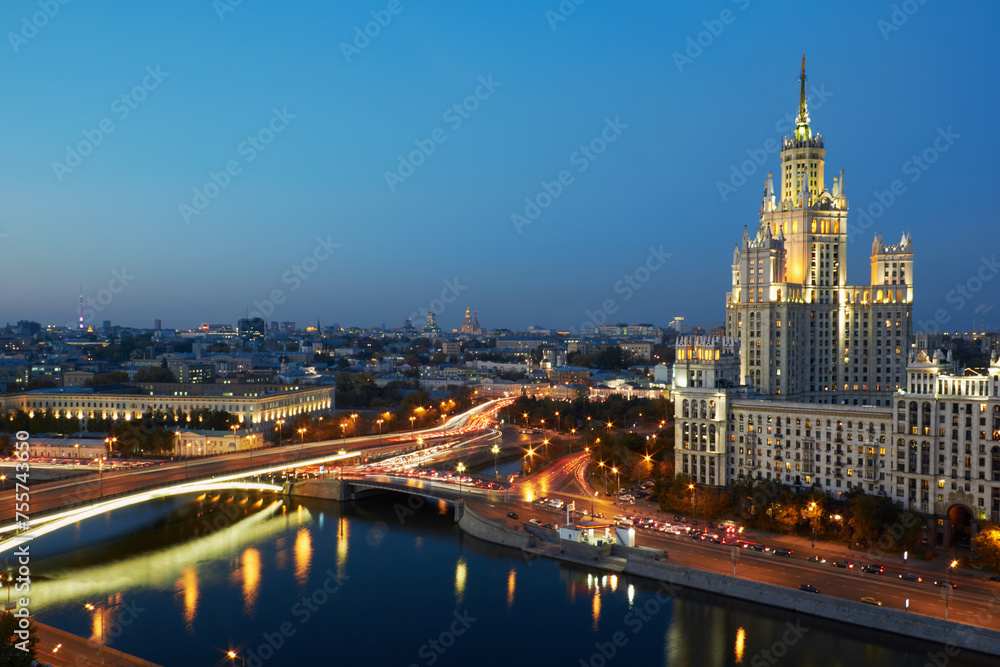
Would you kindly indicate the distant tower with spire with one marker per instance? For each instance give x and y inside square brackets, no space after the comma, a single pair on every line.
[81,306]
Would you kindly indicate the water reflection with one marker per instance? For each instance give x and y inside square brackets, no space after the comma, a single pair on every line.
[511,586]
[303,556]
[188,585]
[343,539]
[596,607]
[741,636]
[155,570]
[251,580]
[460,582]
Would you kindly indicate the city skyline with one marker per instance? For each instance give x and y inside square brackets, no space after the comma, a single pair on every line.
[361,179]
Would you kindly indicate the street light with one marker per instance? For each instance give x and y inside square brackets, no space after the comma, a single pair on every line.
[232,655]
[812,517]
[618,488]
[302,438]
[277,428]
[379,422]
[691,486]
[461,469]
[496,453]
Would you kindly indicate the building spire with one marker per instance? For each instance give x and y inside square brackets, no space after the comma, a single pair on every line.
[802,131]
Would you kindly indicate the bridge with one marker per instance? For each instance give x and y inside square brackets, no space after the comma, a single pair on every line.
[57,504]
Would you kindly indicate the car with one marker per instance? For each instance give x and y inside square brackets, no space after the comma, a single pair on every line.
[808,588]
[944,582]
[870,600]
[911,577]
[758,547]
[694,522]
[511,515]
[535,522]
[816,559]
[995,577]
[846,564]
[787,553]
[874,569]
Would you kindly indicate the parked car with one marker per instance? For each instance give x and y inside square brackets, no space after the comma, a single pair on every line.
[808,588]
[512,515]
[911,577]
[870,600]
[995,577]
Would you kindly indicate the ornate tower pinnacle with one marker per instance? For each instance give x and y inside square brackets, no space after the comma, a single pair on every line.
[802,131]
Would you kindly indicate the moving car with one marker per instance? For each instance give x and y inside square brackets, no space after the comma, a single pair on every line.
[910,577]
[846,564]
[869,600]
[808,588]
[874,569]
[945,582]
[512,515]
[816,559]
[787,553]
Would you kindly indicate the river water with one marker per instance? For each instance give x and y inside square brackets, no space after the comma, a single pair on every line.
[393,581]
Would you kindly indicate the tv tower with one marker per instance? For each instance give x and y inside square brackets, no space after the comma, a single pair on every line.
[81,305]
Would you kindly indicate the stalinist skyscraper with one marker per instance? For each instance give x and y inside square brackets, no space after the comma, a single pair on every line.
[804,333]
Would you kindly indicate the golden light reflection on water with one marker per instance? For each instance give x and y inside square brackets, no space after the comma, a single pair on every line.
[303,556]
[188,584]
[442,508]
[511,587]
[614,582]
[460,581]
[97,625]
[343,538]
[251,580]
[631,595]
[741,636]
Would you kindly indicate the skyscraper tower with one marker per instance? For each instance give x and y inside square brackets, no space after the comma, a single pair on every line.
[804,333]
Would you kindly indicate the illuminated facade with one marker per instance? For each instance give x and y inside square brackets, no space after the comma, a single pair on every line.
[804,333]
[815,384]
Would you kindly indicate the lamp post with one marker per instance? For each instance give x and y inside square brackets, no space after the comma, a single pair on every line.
[618,488]
[461,469]
[232,655]
[600,464]
[558,422]
[379,422]
[691,486]
[76,454]
[496,453]
[100,473]
[234,428]
[812,520]
[302,438]
[649,461]
[3,478]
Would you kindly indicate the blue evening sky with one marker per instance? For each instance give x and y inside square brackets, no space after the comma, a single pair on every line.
[308,215]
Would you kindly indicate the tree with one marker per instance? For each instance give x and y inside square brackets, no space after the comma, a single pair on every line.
[155,374]
[11,645]
[987,543]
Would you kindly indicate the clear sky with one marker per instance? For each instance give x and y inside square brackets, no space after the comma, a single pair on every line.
[117,115]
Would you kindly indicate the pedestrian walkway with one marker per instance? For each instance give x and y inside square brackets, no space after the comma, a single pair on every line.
[61,649]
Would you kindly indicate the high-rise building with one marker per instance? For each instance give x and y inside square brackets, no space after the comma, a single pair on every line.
[251,328]
[157,325]
[815,384]
[805,334]
[470,325]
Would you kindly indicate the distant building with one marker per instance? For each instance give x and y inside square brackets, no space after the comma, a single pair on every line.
[212,443]
[451,347]
[251,328]
[157,325]
[470,325]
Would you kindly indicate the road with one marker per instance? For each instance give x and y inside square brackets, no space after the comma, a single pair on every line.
[46,496]
[975,602]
